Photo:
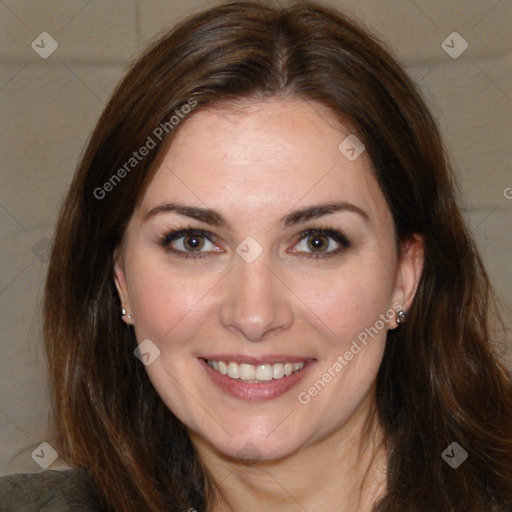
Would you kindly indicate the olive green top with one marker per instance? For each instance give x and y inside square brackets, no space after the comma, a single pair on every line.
[48,491]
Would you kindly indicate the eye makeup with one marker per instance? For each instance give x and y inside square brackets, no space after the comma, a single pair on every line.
[196,239]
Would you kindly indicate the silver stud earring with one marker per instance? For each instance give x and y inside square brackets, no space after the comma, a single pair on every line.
[123,313]
[400,317]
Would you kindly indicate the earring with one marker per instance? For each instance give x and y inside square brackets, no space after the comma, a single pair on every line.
[123,313]
[400,317]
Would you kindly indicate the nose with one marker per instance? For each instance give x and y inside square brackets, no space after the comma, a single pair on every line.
[257,301]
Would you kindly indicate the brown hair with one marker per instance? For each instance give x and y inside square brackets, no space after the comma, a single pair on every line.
[440,380]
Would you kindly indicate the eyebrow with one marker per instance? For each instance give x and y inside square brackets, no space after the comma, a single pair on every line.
[214,218]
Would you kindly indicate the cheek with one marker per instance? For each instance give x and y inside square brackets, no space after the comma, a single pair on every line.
[346,302]
[339,303]
[164,302]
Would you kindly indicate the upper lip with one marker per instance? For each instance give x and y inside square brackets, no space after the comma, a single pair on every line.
[257,360]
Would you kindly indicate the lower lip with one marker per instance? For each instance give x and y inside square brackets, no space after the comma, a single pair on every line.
[255,392]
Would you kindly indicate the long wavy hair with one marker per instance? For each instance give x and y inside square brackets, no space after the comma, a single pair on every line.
[441,378]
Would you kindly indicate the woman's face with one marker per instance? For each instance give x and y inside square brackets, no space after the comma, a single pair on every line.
[254,287]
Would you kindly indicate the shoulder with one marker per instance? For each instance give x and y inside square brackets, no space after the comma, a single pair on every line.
[48,491]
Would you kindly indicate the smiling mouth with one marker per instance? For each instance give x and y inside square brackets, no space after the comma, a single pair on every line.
[261,373]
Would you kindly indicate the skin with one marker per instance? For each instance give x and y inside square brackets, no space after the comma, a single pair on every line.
[255,165]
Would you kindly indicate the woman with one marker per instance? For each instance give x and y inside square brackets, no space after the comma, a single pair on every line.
[262,294]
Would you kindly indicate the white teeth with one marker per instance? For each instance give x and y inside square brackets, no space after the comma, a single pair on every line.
[278,370]
[233,370]
[259,373]
[264,372]
[247,372]
[223,367]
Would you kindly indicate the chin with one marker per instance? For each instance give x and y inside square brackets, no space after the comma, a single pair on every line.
[262,446]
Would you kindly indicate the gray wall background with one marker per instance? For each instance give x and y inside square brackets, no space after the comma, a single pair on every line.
[48,107]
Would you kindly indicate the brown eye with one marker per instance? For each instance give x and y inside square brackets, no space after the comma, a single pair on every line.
[321,243]
[189,243]
[193,242]
[318,243]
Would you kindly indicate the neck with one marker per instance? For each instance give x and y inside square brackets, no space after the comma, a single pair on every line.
[342,472]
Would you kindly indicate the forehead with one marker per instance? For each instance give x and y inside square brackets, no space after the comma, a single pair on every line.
[264,157]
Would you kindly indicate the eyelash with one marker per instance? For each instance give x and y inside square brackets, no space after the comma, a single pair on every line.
[173,235]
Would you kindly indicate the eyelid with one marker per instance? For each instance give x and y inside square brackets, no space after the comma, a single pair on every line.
[335,234]
[175,234]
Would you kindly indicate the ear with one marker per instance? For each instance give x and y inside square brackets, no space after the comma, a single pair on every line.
[120,281]
[409,272]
